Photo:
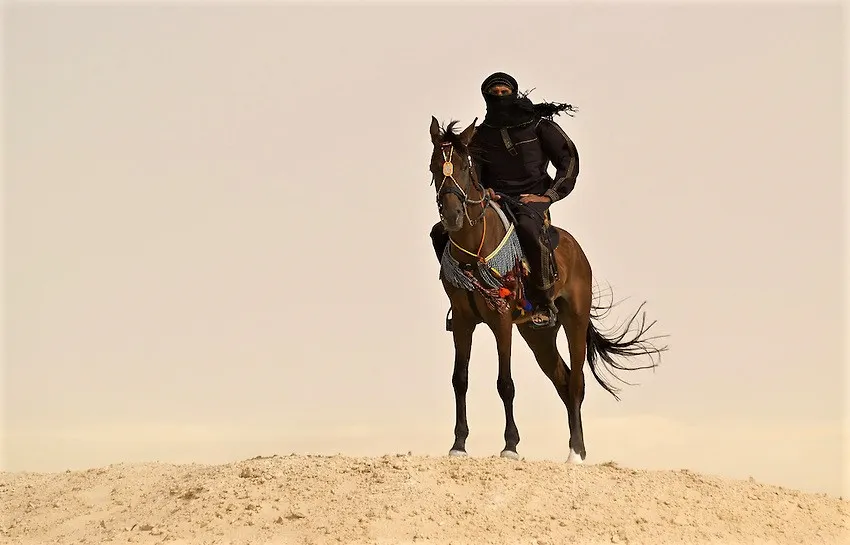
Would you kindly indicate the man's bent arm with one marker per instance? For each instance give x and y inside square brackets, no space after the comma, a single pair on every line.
[563,154]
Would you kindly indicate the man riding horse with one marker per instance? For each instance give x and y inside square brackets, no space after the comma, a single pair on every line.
[514,145]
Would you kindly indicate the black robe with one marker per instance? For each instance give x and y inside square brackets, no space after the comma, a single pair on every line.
[514,160]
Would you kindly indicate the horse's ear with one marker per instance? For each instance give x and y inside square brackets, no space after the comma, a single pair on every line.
[468,133]
[435,130]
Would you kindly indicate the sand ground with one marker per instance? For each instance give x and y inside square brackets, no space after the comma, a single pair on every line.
[403,499]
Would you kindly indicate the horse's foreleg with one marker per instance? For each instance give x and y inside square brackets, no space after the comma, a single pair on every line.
[462,330]
[502,328]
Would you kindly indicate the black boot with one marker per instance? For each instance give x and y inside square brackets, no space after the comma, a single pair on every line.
[439,239]
[541,288]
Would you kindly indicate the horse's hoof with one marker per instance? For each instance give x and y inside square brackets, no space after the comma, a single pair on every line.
[458,453]
[509,454]
[574,458]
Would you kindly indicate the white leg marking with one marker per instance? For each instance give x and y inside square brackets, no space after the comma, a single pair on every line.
[509,454]
[458,453]
[574,458]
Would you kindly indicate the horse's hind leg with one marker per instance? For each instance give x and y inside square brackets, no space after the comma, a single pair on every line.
[543,344]
[575,319]
[462,332]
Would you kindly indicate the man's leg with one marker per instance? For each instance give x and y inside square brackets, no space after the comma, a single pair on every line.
[530,230]
[439,238]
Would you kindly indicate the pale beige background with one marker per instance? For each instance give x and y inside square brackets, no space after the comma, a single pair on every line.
[216,230]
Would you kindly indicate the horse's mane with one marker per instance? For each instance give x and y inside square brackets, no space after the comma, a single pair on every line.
[451,135]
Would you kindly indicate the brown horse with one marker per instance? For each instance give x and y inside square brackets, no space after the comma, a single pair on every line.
[482,272]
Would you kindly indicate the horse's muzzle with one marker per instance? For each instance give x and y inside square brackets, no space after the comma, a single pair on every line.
[452,220]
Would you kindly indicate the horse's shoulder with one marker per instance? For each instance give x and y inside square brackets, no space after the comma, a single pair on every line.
[506,223]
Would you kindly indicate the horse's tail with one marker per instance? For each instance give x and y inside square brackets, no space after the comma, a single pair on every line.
[605,347]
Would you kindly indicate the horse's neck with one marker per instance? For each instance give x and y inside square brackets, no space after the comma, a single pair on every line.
[490,228]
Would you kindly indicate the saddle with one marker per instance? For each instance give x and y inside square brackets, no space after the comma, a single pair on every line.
[554,238]
[549,237]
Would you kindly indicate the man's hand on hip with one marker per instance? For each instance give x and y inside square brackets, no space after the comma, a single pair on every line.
[526,198]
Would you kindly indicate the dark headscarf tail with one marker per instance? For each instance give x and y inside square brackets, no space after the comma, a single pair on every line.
[516,108]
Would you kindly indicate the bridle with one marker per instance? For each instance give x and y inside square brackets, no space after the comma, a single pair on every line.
[447,148]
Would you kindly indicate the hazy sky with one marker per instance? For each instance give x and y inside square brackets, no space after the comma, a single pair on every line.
[216,230]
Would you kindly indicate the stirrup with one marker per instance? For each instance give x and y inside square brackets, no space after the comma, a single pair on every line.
[448,320]
[551,319]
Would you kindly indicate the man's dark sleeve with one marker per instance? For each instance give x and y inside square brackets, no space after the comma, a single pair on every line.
[563,154]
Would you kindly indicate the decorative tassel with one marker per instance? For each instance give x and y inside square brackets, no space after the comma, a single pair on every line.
[499,277]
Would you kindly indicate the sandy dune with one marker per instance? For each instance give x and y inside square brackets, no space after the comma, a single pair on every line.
[406,499]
